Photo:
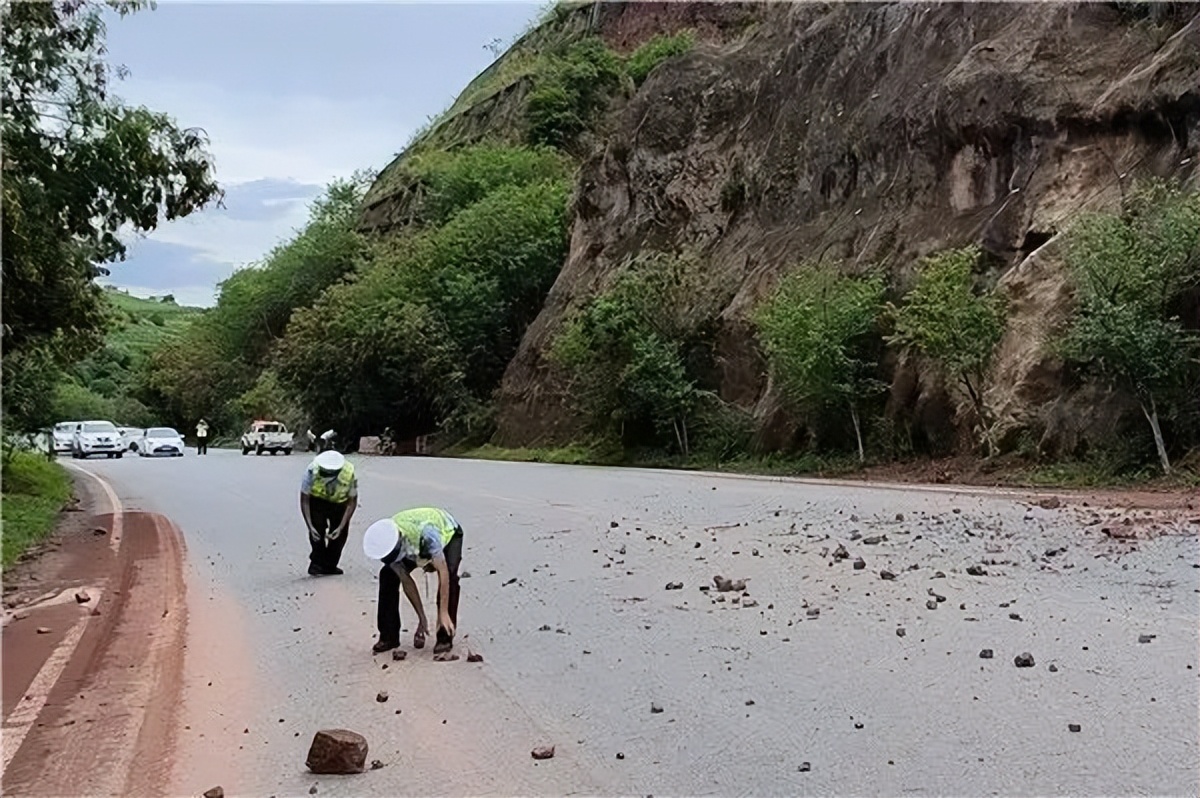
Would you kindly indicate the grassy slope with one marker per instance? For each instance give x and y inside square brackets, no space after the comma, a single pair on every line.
[35,490]
[137,331]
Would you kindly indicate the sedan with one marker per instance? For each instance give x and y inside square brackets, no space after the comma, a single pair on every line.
[160,440]
[64,435]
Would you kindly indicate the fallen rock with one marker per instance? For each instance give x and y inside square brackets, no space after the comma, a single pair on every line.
[655,709]
[474,657]
[376,764]
[1023,660]
[1074,727]
[859,564]
[381,696]
[215,792]
[613,525]
[900,517]
[804,767]
[931,604]
[749,603]
[445,658]
[337,751]
[726,585]
[976,570]
[1141,638]
[545,751]
[855,535]
[887,575]
[544,627]
[1014,616]
[312,790]
[99,531]
[901,632]
[399,654]
[1053,669]
[1050,503]
[674,585]
[840,553]
[463,575]
[987,653]
[82,597]
[43,630]
[619,754]
[814,612]
[873,540]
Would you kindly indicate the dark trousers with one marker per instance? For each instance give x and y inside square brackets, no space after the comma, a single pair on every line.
[326,516]
[202,446]
[388,618]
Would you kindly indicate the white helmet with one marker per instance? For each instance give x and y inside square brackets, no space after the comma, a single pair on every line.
[330,461]
[381,539]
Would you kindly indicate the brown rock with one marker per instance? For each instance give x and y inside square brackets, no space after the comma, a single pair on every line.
[1050,503]
[376,764]
[215,792]
[43,630]
[382,696]
[840,553]
[399,655]
[99,531]
[1023,660]
[887,575]
[543,752]
[337,751]
[474,657]
[82,597]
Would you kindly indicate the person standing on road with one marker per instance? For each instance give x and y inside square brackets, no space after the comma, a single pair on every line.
[328,499]
[202,437]
[426,537]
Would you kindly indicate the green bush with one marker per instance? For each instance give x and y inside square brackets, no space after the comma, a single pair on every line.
[820,333]
[35,490]
[570,90]
[1132,273]
[662,47]
[957,328]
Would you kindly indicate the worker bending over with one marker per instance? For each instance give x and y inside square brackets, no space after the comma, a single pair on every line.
[328,499]
[426,537]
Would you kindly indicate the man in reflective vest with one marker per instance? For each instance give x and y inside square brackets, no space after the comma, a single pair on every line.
[426,537]
[328,499]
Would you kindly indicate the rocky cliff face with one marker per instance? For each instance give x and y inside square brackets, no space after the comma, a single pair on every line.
[876,133]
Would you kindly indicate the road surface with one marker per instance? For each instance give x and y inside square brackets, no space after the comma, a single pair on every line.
[763,699]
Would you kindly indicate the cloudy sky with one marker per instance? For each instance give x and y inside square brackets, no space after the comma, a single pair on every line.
[292,96]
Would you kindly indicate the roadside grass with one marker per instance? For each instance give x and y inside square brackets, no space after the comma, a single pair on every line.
[574,454]
[1086,474]
[33,493]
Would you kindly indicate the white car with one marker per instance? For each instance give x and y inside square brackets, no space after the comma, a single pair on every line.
[160,440]
[64,436]
[130,437]
[97,437]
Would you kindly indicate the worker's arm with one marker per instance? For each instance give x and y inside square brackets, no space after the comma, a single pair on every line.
[414,598]
[306,511]
[439,564]
[351,506]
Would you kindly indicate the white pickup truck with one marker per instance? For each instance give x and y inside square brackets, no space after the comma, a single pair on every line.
[267,436]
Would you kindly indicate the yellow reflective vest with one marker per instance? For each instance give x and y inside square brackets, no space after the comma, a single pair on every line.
[340,492]
[414,522]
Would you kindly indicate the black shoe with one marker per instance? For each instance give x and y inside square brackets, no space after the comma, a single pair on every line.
[335,571]
[385,645]
[314,570]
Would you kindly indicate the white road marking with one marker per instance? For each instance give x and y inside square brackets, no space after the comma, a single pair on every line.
[25,714]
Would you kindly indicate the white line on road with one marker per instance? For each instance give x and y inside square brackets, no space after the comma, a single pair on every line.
[25,714]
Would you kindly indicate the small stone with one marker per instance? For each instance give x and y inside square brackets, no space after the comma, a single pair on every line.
[215,792]
[899,516]
[399,654]
[814,612]
[931,604]
[655,709]
[840,552]
[376,764]
[1075,727]
[1053,669]
[543,752]
[901,632]
[749,702]
[1024,660]
[619,754]
[473,657]
[1141,638]
[976,570]
[43,630]
[1050,503]
[381,696]
[873,540]
[804,767]
[986,654]
[613,525]
[859,564]
[337,751]
[749,603]
[99,531]
[312,790]
[544,627]
[855,535]
[887,575]
[445,658]
[1014,616]
[82,597]
[674,585]
[463,575]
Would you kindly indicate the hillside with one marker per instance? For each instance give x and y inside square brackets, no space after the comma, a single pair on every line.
[857,134]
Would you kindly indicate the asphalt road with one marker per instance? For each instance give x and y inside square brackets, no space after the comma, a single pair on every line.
[586,639]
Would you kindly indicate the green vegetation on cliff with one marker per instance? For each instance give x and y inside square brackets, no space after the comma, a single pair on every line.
[35,490]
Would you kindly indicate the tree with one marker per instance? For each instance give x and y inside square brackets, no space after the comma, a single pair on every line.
[816,330]
[79,168]
[947,321]
[1131,271]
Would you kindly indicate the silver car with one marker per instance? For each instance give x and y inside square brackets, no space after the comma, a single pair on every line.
[64,436]
[160,441]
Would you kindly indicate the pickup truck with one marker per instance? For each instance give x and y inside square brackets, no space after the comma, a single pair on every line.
[267,436]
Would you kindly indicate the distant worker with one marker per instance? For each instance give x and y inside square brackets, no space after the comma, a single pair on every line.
[425,537]
[202,437]
[328,499]
[322,444]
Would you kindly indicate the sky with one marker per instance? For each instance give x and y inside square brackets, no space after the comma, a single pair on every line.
[292,96]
